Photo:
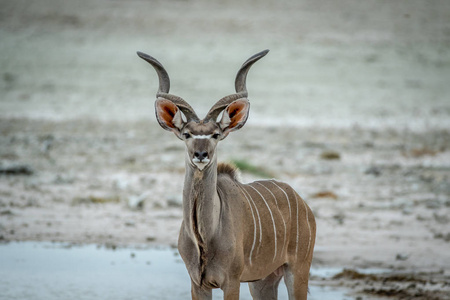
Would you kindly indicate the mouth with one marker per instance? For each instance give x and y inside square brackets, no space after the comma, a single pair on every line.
[200,164]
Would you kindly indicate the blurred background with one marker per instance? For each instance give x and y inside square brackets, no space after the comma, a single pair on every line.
[340,63]
[351,106]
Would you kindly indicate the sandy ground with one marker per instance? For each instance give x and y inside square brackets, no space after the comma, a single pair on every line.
[363,82]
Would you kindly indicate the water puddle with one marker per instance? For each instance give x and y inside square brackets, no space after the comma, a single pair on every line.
[32,270]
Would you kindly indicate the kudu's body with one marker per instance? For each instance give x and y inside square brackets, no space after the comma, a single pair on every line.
[234,232]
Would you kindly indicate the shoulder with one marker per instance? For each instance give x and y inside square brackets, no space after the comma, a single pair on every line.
[228,170]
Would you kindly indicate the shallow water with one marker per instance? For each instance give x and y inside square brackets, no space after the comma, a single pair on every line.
[32,270]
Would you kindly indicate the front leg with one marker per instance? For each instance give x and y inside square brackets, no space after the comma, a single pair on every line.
[199,293]
[231,290]
[266,288]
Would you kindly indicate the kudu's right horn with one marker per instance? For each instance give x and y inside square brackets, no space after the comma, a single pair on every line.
[164,87]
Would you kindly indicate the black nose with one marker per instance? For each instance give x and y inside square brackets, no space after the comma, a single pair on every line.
[201,155]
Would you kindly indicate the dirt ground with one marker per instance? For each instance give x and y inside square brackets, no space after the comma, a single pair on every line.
[351,107]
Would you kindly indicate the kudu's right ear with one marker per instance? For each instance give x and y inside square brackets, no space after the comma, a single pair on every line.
[169,116]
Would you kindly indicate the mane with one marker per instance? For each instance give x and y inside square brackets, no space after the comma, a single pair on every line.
[228,169]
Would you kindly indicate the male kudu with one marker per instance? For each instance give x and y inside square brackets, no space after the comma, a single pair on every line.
[234,232]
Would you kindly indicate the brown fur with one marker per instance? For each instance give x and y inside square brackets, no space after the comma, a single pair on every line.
[228,169]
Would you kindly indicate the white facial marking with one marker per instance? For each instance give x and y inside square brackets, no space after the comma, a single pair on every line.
[201,164]
[202,137]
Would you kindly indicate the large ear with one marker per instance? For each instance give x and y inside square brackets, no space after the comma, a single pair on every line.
[169,116]
[234,116]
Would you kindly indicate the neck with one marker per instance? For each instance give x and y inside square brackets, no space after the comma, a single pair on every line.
[201,203]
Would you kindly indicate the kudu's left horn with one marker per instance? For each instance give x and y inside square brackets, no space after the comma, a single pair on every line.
[240,85]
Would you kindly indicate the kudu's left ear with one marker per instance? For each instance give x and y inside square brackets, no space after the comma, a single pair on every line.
[169,116]
[234,116]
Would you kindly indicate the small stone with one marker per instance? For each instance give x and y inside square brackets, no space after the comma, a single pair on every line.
[111,246]
[445,237]
[137,202]
[130,223]
[16,169]
[325,194]
[407,211]
[441,219]
[433,204]
[375,171]
[150,239]
[330,155]
[157,205]
[421,218]
[339,218]
[401,256]
[6,212]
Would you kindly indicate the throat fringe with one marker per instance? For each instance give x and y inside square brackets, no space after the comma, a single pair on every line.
[196,226]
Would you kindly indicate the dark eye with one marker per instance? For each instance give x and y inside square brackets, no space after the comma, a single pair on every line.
[186,135]
[216,136]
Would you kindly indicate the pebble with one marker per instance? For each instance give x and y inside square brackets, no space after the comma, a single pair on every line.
[16,169]
[130,223]
[375,171]
[401,256]
[137,202]
[330,155]
[432,204]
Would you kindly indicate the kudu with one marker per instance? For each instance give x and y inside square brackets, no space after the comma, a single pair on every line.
[234,232]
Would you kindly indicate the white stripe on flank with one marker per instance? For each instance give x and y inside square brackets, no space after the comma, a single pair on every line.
[296,242]
[282,218]
[254,226]
[287,198]
[259,218]
[273,221]
[309,227]
[275,198]
[201,137]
